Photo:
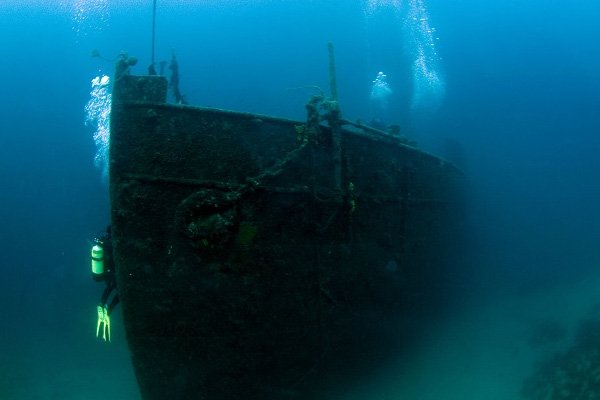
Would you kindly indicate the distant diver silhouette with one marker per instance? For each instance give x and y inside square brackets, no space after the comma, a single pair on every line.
[174,83]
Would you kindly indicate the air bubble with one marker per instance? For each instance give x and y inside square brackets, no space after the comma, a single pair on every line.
[97,115]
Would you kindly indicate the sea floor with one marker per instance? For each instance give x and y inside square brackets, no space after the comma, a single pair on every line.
[484,351]
[62,359]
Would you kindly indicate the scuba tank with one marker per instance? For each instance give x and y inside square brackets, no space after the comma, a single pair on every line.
[97,259]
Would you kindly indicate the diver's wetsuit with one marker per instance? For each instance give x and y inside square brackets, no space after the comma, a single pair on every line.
[109,276]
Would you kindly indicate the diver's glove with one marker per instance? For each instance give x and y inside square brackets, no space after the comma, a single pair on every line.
[103,319]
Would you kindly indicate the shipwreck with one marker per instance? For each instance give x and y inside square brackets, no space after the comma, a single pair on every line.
[265,258]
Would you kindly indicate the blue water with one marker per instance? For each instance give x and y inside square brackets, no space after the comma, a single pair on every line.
[513,84]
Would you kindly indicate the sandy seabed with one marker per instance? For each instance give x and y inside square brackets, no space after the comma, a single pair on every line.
[481,352]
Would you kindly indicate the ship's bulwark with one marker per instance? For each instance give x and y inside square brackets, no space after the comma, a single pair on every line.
[244,273]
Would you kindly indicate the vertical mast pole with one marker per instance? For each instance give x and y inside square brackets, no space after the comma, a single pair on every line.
[153,27]
[332,78]
[334,121]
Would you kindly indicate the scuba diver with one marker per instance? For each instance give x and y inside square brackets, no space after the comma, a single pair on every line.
[103,270]
[174,82]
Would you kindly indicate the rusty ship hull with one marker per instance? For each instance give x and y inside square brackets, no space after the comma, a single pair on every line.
[250,265]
